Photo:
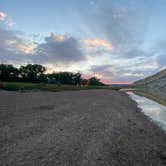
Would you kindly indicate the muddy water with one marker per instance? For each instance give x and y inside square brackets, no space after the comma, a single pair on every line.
[155,111]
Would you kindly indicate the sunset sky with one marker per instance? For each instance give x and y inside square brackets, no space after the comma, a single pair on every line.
[119,41]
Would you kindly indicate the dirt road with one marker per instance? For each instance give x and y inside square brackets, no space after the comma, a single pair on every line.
[81,128]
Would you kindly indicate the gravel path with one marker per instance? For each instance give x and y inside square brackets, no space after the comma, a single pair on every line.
[80,128]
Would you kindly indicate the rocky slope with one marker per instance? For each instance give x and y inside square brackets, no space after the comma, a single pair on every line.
[155,84]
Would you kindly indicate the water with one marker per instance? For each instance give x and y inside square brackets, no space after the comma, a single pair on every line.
[154,110]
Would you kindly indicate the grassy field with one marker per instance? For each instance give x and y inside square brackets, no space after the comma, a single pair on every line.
[15,86]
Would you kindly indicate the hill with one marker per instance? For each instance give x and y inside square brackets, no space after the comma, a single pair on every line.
[156,77]
[155,84]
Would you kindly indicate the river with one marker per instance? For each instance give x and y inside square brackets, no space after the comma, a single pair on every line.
[152,109]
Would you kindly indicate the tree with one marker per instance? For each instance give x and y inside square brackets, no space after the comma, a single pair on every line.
[36,73]
[61,78]
[95,81]
[31,72]
[77,79]
[8,73]
[84,82]
[42,78]
[52,78]
[65,78]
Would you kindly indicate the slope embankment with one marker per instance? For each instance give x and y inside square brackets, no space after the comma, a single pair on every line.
[154,85]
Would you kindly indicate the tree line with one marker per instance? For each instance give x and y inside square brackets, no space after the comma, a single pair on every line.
[35,73]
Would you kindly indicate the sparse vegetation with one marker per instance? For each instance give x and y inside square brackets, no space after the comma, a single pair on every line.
[35,73]
[19,86]
[34,77]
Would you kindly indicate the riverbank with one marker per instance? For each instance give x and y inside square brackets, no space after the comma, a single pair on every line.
[153,109]
[152,96]
[156,95]
[77,128]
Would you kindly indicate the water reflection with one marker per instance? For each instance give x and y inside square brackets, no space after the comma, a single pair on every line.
[155,111]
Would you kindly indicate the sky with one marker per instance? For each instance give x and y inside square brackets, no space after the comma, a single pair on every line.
[118,41]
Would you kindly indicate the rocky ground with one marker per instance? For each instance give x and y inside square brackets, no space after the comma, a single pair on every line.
[80,128]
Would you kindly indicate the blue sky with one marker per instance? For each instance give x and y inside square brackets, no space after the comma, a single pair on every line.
[119,41]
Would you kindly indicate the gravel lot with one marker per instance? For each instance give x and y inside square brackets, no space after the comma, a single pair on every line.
[79,128]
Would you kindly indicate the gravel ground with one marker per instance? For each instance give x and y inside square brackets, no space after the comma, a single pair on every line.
[80,128]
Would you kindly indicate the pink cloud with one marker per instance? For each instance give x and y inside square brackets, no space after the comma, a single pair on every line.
[2,16]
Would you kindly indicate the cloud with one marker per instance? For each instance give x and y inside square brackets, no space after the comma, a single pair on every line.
[113,50]
[6,20]
[162,60]
[113,74]
[136,52]
[59,48]
[123,24]
[98,44]
[125,70]
[9,22]
[56,49]
[13,49]
[21,47]
[160,51]
[120,13]
[120,25]
[104,70]
[11,41]
[2,16]
[54,52]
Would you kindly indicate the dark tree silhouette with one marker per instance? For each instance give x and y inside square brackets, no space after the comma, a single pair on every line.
[8,73]
[36,73]
[60,78]
[95,81]
[84,82]
[31,72]
[77,79]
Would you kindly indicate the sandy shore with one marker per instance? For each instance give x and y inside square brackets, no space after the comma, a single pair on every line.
[80,128]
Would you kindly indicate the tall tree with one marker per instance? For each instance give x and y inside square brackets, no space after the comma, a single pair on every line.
[8,73]
[95,81]
[31,72]
[77,78]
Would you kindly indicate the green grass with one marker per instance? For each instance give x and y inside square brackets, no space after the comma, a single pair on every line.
[15,86]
